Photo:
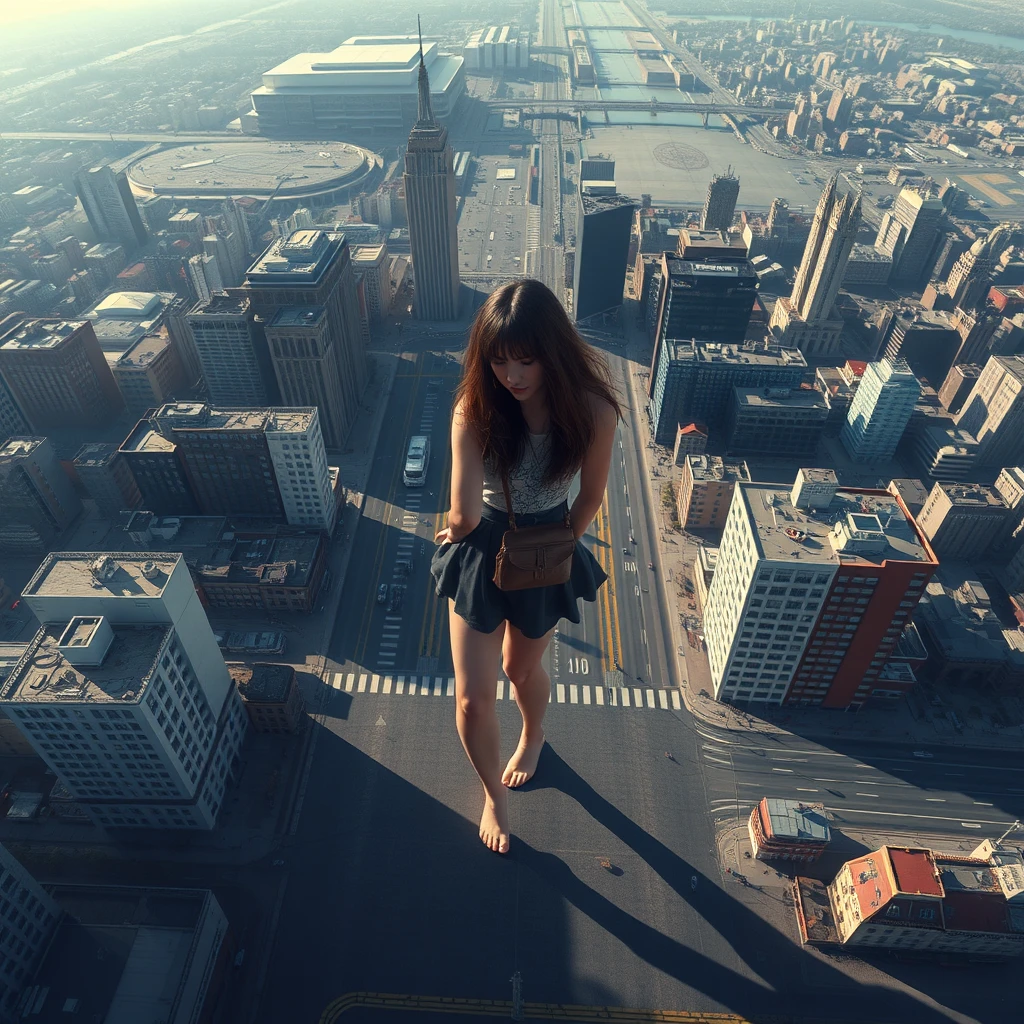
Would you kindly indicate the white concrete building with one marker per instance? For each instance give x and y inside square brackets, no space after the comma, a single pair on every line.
[497,48]
[373,262]
[123,691]
[28,917]
[880,411]
[300,463]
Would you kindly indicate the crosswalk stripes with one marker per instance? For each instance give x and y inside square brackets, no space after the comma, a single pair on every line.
[585,694]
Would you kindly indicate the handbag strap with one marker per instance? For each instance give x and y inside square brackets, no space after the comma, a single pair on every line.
[508,499]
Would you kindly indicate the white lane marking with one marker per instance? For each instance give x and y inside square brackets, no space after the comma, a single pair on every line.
[643,633]
[663,700]
[560,688]
[450,690]
[874,795]
[712,739]
[675,700]
[638,697]
[375,684]
[981,803]
[412,686]
[863,766]
[934,800]
[574,694]
[349,681]
[650,698]
[825,780]
[800,789]
[717,760]
[586,693]
[387,684]
[362,683]
[336,681]
[792,760]
[920,817]
[388,644]
[969,824]
[599,694]
[393,618]
[400,685]
[501,682]
[787,770]
[625,696]
[439,686]
[723,800]
[613,696]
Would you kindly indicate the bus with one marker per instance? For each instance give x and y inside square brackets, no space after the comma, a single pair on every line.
[416,461]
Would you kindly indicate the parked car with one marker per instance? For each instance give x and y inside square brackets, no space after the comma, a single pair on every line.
[382,593]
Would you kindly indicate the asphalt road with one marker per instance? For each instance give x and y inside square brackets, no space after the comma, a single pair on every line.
[877,786]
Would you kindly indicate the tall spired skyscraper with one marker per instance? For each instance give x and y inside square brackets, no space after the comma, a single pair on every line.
[968,281]
[430,203]
[804,319]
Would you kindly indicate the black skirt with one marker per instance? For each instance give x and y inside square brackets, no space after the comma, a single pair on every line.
[464,572]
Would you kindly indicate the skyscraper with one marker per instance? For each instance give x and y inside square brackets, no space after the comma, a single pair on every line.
[302,294]
[850,565]
[110,206]
[994,411]
[603,225]
[37,500]
[804,320]
[880,411]
[152,725]
[105,474]
[431,205]
[969,280]
[909,233]
[720,202]
[57,373]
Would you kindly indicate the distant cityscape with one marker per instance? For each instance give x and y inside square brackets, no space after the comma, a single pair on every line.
[238,263]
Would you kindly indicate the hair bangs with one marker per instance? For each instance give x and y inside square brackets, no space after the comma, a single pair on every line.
[510,341]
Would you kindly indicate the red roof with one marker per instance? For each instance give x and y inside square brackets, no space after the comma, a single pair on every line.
[694,428]
[914,871]
[975,912]
[857,366]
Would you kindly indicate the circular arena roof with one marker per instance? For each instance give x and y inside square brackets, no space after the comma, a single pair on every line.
[217,169]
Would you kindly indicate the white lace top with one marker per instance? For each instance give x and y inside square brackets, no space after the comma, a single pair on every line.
[530,492]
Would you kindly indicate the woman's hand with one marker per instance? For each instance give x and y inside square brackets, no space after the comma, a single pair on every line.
[444,537]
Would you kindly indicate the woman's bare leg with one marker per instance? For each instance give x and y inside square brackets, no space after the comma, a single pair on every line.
[475,657]
[522,658]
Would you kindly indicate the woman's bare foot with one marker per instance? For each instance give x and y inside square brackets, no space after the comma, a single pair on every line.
[523,763]
[494,824]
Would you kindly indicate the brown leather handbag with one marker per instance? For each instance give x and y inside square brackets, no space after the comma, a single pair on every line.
[533,556]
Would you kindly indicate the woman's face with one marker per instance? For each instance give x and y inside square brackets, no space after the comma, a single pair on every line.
[524,378]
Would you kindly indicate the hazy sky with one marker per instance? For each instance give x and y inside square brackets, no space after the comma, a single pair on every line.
[13,12]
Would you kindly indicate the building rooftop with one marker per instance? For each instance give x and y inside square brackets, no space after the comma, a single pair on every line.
[263,682]
[201,416]
[146,438]
[711,467]
[778,398]
[863,253]
[598,202]
[19,447]
[679,268]
[795,821]
[368,255]
[95,453]
[298,316]
[971,495]
[857,526]
[709,352]
[39,334]
[45,674]
[128,574]
[300,260]
[220,305]
[127,305]
[144,351]
[290,421]
[914,871]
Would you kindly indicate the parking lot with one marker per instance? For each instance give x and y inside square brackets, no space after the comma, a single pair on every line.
[492,225]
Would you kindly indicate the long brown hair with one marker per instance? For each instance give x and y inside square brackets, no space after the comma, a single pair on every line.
[524,320]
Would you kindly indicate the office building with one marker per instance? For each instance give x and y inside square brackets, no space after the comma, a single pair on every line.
[110,206]
[233,356]
[498,48]
[28,919]
[880,411]
[706,298]
[126,650]
[839,110]
[812,589]
[58,374]
[149,373]
[204,277]
[37,501]
[970,279]
[270,695]
[431,207]
[777,422]
[128,953]
[927,339]
[158,471]
[944,451]
[994,411]
[252,462]
[106,476]
[103,262]
[866,267]
[691,439]
[838,385]
[373,262]
[12,421]
[957,385]
[323,363]
[720,202]
[919,901]
[963,521]
[1009,486]
[692,381]
[603,225]
[705,490]
[804,320]
[368,82]
[909,233]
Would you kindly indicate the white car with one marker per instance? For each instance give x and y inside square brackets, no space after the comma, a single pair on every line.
[923,753]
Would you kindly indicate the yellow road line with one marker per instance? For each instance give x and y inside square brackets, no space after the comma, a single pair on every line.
[433,604]
[603,605]
[362,637]
[613,599]
[531,1011]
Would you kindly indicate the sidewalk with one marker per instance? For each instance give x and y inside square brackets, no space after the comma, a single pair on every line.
[911,722]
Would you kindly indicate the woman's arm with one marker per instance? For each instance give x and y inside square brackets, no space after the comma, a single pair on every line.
[467,483]
[594,471]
